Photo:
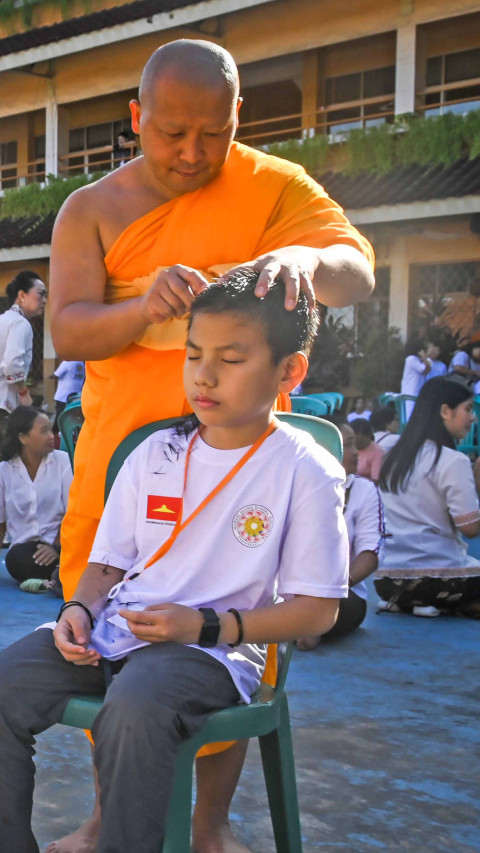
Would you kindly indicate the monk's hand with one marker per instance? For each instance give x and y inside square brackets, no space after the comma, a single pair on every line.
[164,623]
[72,636]
[172,293]
[295,265]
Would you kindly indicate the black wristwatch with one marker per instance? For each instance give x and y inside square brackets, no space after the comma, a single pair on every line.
[210,628]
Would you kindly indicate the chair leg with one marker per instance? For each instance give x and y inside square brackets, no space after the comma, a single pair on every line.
[279,771]
[179,821]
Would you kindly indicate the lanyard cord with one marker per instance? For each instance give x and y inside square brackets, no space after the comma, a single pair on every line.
[181,525]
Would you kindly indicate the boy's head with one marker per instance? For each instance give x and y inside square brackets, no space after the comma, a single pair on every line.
[385,419]
[363,432]
[350,450]
[242,351]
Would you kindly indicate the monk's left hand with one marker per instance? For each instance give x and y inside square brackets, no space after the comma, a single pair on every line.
[296,266]
[163,623]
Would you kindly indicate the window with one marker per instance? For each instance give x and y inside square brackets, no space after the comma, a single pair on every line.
[87,139]
[447,295]
[270,112]
[368,97]
[8,154]
[447,83]
[39,156]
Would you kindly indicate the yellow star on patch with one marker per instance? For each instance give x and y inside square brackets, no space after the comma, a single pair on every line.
[164,508]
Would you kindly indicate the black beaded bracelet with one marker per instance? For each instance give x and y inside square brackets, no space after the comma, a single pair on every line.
[77,604]
[240,627]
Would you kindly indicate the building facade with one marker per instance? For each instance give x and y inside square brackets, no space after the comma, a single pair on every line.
[308,68]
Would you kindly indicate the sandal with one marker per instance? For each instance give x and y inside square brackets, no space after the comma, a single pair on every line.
[35,585]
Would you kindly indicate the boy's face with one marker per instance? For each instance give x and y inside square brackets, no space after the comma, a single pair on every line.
[230,379]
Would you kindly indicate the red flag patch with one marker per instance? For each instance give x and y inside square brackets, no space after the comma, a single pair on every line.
[162,508]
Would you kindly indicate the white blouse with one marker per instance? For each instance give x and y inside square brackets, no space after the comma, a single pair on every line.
[34,508]
[16,339]
[424,522]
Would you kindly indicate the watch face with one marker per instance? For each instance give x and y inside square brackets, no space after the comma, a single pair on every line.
[211,628]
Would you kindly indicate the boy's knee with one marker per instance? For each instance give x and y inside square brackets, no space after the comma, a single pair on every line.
[135,715]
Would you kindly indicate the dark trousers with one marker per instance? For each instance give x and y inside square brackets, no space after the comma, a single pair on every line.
[351,613]
[161,696]
[21,565]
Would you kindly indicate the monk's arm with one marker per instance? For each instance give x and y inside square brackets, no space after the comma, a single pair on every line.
[83,327]
[337,275]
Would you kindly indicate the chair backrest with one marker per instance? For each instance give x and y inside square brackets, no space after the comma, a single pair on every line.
[333,399]
[323,432]
[70,422]
[309,406]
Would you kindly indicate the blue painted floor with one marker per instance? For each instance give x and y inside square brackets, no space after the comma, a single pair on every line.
[386,735]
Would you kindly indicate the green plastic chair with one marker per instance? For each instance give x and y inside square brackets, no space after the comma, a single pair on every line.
[70,422]
[333,399]
[267,717]
[309,406]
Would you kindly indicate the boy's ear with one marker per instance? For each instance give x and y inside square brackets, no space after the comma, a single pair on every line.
[295,367]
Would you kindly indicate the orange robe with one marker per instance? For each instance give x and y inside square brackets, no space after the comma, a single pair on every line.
[256,204]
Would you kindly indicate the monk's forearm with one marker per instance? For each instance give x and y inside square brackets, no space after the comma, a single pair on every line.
[342,276]
[89,331]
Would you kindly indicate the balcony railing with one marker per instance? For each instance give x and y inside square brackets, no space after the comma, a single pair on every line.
[18,174]
[101,159]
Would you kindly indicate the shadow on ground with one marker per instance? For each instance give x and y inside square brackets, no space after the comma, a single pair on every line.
[386,740]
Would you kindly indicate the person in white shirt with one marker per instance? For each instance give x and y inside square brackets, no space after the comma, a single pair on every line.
[465,364]
[27,297]
[434,351]
[242,542]
[360,410]
[415,371]
[364,519]
[430,498]
[70,376]
[385,424]
[34,484]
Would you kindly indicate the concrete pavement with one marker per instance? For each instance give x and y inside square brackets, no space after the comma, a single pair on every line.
[386,738]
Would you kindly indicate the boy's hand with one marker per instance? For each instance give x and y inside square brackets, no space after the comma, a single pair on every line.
[45,554]
[163,623]
[72,636]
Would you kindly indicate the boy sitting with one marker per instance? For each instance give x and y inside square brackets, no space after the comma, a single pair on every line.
[241,507]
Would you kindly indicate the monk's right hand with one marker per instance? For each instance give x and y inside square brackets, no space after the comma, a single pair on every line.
[72,636]
[172,293]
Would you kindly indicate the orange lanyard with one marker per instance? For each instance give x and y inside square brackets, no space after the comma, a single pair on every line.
[181,525]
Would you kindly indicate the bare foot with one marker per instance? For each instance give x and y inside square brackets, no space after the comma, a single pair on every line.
[220,840]
[307,644]
[84,840]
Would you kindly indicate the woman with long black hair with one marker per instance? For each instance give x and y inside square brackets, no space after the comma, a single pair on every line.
[430,499]
[34,484]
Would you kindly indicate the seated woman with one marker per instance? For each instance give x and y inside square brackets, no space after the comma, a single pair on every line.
[364,519]
[34,484]
[370,455]
[430,499]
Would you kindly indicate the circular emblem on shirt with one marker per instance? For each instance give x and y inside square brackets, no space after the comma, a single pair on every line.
[252,525]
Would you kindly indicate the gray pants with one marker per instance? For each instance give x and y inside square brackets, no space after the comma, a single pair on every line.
[161,696]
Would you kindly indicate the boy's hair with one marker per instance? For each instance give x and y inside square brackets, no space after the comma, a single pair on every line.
[361,426]
[286,332]
[382,417]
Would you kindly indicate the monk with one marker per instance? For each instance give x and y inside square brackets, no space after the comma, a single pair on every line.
[131,252]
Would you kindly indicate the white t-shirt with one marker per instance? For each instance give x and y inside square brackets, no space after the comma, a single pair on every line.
[462,359]
[16,338]
[71,376]
[424,522]
[354,415]
[34,508]
[413,377]
[364,519]
[385,439]
[438,368]
[276,529]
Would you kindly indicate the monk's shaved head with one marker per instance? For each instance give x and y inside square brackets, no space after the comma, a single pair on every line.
[192,62]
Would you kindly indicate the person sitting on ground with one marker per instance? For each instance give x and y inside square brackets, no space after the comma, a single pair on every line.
[364,519]
[370,455]
[415,371]
[430,498]
[359,410]
[150,610]
[27,297]
[34,484]
[385,424]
